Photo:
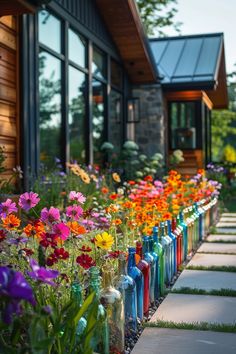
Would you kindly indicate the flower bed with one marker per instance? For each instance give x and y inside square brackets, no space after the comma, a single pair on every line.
[52,260]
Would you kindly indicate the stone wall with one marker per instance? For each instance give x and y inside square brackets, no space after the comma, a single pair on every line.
[150,132]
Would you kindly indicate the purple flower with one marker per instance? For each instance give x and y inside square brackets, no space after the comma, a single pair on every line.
[13,289]
[51,215]
[28,200]
[42,274]
[74,212]
[61,230]
[79,197]
[17,241]
[7,207]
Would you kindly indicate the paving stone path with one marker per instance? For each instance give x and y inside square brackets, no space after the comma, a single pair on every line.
[199,296]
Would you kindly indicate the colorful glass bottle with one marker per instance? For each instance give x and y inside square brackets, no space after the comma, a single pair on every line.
[156,260]
[179,230]
[76,297]
[100,340]
[161,253]
[185,235]
[166,245]
[174,248]
[127,287]
[137,275]
[145,269]
[112,301]
[150,260]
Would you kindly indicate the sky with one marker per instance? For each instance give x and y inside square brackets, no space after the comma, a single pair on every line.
[207,16]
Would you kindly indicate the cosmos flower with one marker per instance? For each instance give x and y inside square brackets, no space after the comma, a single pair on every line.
[11,222]
[42,274]
[7,207]
[79,197]
[61,231]
[85,261]
[74,212]
[51,215]
[104,241]
[28,200]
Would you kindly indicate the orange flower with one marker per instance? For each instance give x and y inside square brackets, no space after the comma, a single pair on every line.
[116,177]
[116,222]
[76,228]
[104,190]
[11,222]
[132,183]
[29,230]
[113,196]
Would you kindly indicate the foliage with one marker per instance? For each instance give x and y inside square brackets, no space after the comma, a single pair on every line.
[11,184]
[176,157]
[158,14]
[229,153]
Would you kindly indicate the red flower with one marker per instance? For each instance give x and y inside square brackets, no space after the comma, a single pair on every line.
[3,235]
[48,240]
[52,259]
[85,249]
[114,254]
[85,261]
[113,196]
[60,253]
[148,178]
[28,251]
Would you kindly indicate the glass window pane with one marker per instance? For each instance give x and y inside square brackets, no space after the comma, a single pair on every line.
[99,64]
[50,107]
[49,30]
[183,125]
[116,75]
[98,119]
[77,48]
[115,120]
[77,94]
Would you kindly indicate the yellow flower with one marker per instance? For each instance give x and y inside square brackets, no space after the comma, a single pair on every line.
[116,177]
[104,241]
[85,177]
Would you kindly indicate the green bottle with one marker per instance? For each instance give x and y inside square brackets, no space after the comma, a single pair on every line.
[76,296]
[158,248]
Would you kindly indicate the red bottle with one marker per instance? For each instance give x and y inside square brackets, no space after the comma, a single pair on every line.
[177,231]
[145,269]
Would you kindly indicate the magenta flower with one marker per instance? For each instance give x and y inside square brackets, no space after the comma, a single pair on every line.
[13,289]
[7,207]
[61,230]
[79,197]
[42,274]
[51,215]
[28,200]
[74,212]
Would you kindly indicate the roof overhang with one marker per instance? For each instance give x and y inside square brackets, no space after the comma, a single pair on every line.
[19,7]
[124,24]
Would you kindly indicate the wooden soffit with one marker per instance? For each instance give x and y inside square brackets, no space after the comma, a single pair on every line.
[19,7]
[124,24]
[189,96]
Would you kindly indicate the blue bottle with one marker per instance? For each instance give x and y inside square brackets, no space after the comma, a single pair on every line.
[150,260]
[137,275]
[166,245]
[127,287]
[174,248]
[185,235]
[161,253]
[156,260]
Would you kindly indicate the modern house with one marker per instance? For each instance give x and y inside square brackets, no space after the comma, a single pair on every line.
[76,73]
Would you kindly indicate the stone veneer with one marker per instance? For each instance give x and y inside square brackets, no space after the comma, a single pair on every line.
[150,132]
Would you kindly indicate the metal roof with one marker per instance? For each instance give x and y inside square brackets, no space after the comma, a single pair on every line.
[188,61]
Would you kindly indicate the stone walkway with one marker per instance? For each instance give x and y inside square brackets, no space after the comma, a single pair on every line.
[200,297]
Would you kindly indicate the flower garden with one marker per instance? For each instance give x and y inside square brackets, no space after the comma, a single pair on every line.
[80,266]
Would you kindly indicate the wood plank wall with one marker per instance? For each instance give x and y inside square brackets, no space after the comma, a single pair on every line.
[9,112]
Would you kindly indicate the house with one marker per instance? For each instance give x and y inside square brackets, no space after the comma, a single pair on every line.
[76,73]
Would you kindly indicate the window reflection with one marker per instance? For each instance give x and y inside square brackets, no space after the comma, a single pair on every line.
[98,65]
[77,93]
[115,119]
[50,107]
[49,30]
[98,119]
[77,48]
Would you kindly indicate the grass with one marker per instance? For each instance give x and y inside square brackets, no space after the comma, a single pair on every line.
[231,269]
[224,253]
[195,291]
[221,241]
[200,326]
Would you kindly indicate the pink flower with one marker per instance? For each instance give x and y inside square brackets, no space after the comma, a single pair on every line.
[79,197]
[74,212]
[28,200]
[7,207]
[51,215]
[61,230]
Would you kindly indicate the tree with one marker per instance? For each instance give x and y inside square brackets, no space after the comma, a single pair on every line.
[157,14]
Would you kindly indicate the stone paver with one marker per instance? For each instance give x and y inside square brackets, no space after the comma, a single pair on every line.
[227,225]
[228,220]
[231,215]
[209,260]
[206,280]
[226,230]
[197,308]
[216,237]
[176,341]
[223,248]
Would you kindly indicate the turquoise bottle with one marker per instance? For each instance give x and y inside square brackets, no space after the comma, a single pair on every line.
[174,248]
[137,275]
[166,245]
[158,248]
[145,269]
[152,264]
[185,235]
[156,260]
[100,340]
[127,287]
[76,297]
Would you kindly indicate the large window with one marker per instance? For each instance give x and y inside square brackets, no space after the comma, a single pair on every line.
[68,115]
[183,125]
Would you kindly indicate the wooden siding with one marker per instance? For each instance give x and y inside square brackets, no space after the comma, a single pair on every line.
[9,132]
